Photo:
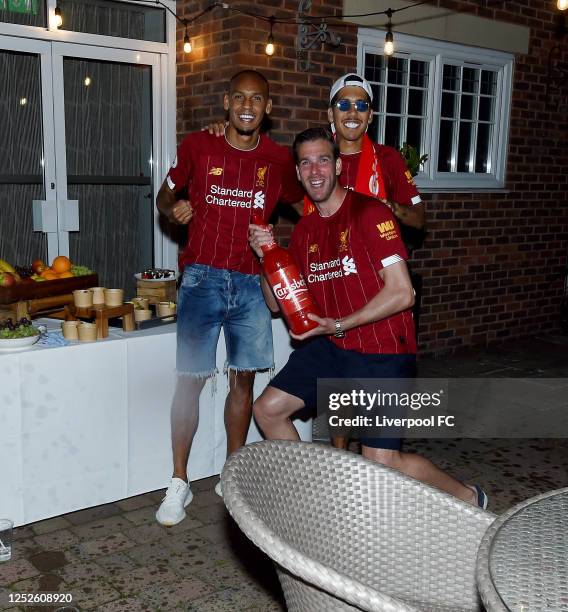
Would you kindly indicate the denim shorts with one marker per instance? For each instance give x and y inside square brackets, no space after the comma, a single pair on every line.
[320,358]
[211,298]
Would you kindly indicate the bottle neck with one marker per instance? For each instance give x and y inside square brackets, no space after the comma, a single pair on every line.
[258,220]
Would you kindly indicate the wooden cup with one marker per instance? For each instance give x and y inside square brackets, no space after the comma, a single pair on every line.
[87,332]
[70,330]
[114,297]
[83,298]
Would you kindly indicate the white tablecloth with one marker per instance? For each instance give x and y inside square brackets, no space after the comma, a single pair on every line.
[88,424]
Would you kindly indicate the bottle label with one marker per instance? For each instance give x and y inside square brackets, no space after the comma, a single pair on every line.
[290,289]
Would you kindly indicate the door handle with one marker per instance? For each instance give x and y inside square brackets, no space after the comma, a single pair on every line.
[44,215]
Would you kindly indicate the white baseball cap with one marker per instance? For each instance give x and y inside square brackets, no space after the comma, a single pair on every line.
[351,80]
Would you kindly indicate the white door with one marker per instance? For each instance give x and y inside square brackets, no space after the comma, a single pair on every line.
[96,130]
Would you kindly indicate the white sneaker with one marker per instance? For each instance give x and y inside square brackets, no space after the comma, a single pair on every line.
[178,496]
[218,489]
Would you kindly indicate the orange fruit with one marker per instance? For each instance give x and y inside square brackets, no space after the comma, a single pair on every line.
[67,274]
[61,264]
[49,274]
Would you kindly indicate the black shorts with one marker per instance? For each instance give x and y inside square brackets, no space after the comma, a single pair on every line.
[321,358]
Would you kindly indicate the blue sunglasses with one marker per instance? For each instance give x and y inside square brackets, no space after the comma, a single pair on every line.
[361,106]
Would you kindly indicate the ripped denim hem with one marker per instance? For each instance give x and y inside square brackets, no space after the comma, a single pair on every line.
[207,375]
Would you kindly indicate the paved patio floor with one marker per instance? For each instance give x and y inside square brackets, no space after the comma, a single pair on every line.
[116,557]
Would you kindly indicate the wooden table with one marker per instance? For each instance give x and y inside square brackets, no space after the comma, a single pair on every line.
[522,562]
[101,314]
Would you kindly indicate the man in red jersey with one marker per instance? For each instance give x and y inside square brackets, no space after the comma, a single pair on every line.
[353,260]
[372,169]
[226,179]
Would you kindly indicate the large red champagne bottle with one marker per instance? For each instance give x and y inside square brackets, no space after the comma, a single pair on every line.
[288,285]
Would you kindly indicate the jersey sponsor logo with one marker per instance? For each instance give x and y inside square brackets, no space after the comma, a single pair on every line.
[343,238]
[260,175]
[334,268]
[313,248]
[349,266]
[387,230]
[216,171]
[259,199]
[233,198]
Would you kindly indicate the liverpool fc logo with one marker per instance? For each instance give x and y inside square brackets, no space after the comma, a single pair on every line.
[260,174]
[343,237]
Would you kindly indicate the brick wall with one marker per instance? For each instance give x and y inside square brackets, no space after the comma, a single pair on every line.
[492,262]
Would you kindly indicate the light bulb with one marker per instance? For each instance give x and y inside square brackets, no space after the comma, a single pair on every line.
[186,44]
[269,46]
[57,19]
[87,81]
[389,43]
[23,101]
[562,5]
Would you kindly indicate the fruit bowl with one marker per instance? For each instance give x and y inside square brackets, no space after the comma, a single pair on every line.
[11,344]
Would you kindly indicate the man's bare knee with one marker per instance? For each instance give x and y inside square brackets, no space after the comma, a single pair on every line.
[274,404]
[385,456]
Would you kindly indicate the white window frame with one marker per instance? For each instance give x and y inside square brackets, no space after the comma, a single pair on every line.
[436,53]
[165,250]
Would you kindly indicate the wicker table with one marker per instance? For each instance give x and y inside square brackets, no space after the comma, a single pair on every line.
[522,563]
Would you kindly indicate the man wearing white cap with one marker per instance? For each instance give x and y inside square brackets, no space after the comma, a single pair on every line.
[369,168]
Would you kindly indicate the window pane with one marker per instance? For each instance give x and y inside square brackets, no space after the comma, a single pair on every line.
[397,70]
[467,110]
[482,154]
[414,133]
[451,77]
[464,147]
[445,146]
[488,82]
[392,132]
[374,67]
[114,19]
[470,80]
[449,103]
[377,96]
[416,102]
[486,106]
[23,12]
[373,130]
[394,100]
[21,156]
[418,73]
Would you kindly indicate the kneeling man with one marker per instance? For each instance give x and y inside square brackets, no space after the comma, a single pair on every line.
[353,260]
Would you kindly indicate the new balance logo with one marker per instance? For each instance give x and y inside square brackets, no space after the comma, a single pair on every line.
[258,200]
[349,266]
[216,171]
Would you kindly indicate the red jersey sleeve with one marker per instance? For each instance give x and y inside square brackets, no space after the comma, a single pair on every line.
[292,190]
[400,185]
[182,167]
[380,233]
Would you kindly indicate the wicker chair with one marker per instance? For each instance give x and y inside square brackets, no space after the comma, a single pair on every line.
[346,533]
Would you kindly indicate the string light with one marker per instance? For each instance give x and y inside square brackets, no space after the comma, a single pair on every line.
[270,43]
[389,38]
[562,5]
[186,42]
[57,18]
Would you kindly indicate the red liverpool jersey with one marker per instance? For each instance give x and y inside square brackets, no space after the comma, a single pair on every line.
[399,185]
[340,257]
[225,185]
